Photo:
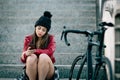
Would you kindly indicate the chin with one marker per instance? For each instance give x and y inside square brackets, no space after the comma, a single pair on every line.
[39,36]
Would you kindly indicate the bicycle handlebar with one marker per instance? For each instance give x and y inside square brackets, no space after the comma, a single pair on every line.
[87,33]
[74,31]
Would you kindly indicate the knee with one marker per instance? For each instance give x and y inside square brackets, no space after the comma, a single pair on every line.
[44,58]
[31,60]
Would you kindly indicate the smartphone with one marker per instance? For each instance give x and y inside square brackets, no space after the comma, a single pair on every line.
[32,46]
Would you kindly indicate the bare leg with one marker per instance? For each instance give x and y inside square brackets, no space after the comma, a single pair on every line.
[45,67]
[31,67]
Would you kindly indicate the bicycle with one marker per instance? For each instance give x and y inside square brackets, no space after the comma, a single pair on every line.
[103,68]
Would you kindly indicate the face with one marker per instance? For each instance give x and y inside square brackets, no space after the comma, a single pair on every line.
[40,31]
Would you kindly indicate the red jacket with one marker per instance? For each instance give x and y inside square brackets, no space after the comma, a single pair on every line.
[49,50]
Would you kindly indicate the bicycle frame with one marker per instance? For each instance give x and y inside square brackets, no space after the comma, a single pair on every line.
[89,58]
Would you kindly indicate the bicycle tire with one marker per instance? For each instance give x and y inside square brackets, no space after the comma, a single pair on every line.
[82,74]
[73,65]
[103,71]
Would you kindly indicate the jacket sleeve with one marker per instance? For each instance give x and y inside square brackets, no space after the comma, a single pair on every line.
[49,50]
[25,47]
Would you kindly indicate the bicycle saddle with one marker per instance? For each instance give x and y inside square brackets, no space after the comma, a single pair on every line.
[106,24]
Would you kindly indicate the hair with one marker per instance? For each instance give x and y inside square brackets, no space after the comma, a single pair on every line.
[43,42]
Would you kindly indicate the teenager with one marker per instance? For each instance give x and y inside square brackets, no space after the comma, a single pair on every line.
[38,50]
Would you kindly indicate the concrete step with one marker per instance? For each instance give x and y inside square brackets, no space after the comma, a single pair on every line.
[78,44]
[29,5]
[24,21]
[61,58]
[89,12]
[8,79]
[14,71]
[15,47]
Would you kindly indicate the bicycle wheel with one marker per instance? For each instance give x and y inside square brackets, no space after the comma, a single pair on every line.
[82,73]
[103,71]
[73,66]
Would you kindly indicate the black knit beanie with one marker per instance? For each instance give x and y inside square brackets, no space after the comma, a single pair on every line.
[44,20]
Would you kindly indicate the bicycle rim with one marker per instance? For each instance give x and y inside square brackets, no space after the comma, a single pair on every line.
[82,73]
[73,66]
[104,70]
